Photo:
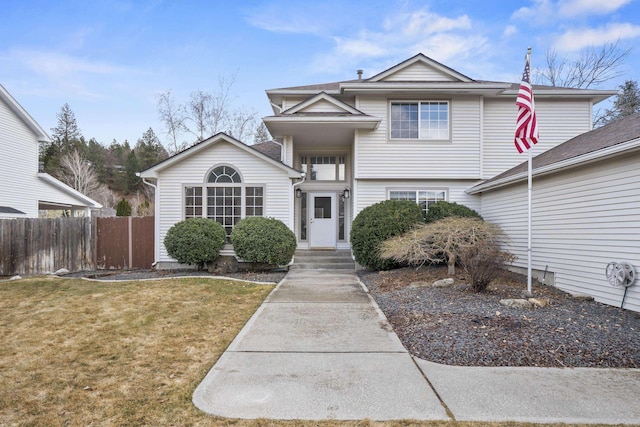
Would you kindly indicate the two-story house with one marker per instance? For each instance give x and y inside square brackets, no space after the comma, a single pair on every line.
[417,131]
[25,191]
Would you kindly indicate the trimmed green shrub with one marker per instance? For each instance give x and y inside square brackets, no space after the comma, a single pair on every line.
[123,208]
[378,222]
[263,240]
[441,210]
[195,241]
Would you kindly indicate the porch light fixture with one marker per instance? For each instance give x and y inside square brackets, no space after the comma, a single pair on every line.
[346,193]
[298,193]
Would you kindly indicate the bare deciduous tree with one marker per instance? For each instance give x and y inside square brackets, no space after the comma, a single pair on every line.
[78,173]
[205,114]
[592,66]
[173,117]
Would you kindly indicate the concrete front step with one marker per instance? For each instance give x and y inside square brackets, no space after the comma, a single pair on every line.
[328,260]
[323,266]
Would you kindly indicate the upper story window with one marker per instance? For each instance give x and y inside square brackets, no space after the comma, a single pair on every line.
[323,168]
[420,120]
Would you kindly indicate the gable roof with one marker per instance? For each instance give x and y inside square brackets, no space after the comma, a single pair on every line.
[22,114]
[152,172]
[421,74]
[620,136]
[446,73]
[336,105]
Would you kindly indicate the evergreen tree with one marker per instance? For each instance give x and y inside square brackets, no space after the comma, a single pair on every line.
[132,181]
[627,102]
[66,138]
[67,129]
[123,208]
[149,150]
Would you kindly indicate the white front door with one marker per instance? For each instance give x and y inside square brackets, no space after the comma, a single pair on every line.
[322,221]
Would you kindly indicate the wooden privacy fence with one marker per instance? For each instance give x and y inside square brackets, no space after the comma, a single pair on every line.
[124,242]
[36,245]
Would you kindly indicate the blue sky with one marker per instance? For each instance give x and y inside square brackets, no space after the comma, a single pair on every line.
[109,59]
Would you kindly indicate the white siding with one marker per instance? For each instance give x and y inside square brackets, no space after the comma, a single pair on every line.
[581,220]
[418,72]
[370,192]
[193,171]
[19,184]
[381,157]
[558,121]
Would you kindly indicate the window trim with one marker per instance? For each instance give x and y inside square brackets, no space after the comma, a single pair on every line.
[337,155]
[205,185]
[417,190]
[418,102]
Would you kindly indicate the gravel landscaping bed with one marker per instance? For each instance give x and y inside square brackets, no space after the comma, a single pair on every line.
[455,326]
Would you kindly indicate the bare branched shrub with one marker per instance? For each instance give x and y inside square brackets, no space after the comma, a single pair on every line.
[483,262]
[441,241]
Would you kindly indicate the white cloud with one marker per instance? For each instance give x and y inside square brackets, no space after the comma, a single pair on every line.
[66,72]
[589,7]
[401,36]
[540,12]
[573,40]
[509,30]
[543,12]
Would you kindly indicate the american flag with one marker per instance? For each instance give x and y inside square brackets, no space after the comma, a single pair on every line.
[527,125]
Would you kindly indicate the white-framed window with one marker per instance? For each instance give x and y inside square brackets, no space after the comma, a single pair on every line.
[419,120]
[224,197]
[424,198]
[323,167]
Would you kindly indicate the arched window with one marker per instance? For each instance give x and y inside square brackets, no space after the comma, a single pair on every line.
[224,174]
[224,197]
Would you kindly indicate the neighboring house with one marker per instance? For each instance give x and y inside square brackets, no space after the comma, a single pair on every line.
[585,210]
[417,131]
[24,190]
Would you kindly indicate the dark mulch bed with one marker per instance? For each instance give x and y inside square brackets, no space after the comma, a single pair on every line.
[456,326]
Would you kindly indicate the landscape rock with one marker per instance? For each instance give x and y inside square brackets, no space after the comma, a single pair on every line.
[442,283]
[437,284]
[516,303]
[61,272]
[15,278]
[540,302]
[420,284]
[223,265]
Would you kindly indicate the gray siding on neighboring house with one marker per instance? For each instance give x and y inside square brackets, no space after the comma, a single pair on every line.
[193,170]
[582,219]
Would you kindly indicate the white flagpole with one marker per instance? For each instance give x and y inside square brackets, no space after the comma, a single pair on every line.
[529,225]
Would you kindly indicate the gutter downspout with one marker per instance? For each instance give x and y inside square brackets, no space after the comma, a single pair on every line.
[155,222]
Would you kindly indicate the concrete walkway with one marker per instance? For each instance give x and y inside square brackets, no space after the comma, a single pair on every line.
[319,348]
